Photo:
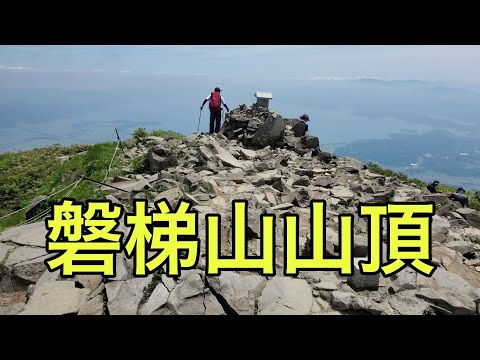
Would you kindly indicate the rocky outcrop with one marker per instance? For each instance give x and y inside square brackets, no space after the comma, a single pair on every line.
[257,128]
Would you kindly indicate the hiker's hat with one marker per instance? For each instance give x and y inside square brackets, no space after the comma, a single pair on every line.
[217,89]
[305,117]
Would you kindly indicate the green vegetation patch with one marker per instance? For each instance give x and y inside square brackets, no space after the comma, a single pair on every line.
[474,198]
[43,171]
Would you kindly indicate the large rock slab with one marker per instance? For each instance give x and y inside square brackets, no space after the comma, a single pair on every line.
[343,300]
[190,297]
[158,163]
[239,291]
[283,206]
[271,131]
[436,198]
[355,163]
[342,192]
[225,156]
[89,281]
[22,254]
[310,142]
[452,261]
[449,291]
[447,301]
[299,197]
[384,196]
[406,303]
[93,306]
[124,296]
[212,306]
[405,279]
[122,271]
[285,296]
[324,181]
[206,153]
[472,216]
[248,154]
[157,299]
[30,270]
[171,195]
[463,247]
[28,235]
[440,227]
[48,276]
[56,298]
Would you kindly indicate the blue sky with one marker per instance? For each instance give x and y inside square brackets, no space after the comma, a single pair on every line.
[83,66]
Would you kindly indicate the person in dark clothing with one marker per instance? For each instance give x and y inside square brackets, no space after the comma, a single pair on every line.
[433,187]
[215,106]
[305,118]
[461,198]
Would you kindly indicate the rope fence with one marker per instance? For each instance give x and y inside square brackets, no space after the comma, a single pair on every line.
[45,212]
[111,162]
[38,202]
[72,186]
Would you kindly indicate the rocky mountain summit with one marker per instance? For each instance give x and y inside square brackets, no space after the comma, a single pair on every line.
[260,157]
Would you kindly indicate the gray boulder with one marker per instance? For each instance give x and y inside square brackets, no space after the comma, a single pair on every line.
[190,297]
[285,296]
[310,142]
[271,131]
[472,216]
[158,163]
[124,296]
[239,291]
[32,209]
[360,281]
[56,298]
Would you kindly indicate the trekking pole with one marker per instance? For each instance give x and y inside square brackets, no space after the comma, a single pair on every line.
[225,115]
[119,141]
[198,127]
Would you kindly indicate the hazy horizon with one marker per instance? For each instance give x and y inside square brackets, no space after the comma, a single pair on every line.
[361,99]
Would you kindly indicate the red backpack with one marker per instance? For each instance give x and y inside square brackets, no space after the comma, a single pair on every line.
[215,104]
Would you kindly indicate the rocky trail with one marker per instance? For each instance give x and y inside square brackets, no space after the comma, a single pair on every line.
[260,157]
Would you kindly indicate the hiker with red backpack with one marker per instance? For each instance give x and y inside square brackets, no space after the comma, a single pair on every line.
[215,106]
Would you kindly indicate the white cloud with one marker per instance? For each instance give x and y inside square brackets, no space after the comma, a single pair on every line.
[16,68]
[97,70]
[125,71]
[160,73]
